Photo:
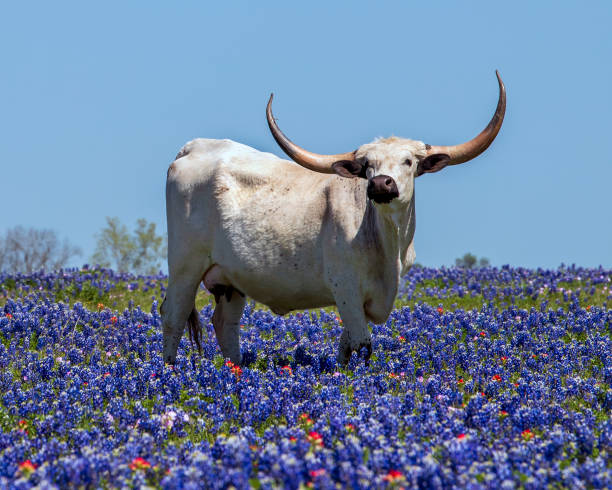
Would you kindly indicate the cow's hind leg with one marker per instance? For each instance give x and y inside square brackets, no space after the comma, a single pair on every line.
[178,308]
[228,310]
[226,319]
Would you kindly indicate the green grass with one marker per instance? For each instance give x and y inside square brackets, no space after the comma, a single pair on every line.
[121,297]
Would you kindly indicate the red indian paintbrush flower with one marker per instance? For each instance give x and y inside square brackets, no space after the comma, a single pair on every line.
[527,434]
[315,438]
[139,464]
[27,467]
[393,475]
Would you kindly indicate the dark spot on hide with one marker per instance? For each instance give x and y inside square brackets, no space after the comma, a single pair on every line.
[182,152]
[427,147]
[171,168]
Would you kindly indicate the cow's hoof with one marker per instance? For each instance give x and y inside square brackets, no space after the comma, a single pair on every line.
[236,359]
[364,349]
[249,357]
[368,351]
[342,360]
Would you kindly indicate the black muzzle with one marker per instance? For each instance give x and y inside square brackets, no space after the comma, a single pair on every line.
[382,189]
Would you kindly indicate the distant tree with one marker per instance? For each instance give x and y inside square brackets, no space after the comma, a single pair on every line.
[149,250]
[140,252]
[114,247]
[30,249]
[483,262]
[469,261]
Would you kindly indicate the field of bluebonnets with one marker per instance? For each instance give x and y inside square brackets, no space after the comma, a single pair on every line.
[488,378]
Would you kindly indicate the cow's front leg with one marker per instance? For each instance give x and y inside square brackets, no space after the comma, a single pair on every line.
[356,333]
[226,320]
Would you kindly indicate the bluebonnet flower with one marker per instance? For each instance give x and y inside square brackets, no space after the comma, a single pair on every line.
[497,395]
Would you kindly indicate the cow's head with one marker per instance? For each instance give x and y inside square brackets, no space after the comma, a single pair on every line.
[391,164]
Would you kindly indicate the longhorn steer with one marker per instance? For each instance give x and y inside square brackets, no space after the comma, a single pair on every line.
[331,230]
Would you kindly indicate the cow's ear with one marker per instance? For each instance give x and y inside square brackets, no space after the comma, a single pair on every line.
[349,169]
[433,163]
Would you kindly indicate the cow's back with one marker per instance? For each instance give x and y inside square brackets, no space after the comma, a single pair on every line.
[256,215]
[233,178]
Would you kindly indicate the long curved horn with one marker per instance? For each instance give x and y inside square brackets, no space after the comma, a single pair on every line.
[471,149]
[312,161]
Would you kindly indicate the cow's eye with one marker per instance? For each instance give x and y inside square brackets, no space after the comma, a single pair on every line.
[408,162]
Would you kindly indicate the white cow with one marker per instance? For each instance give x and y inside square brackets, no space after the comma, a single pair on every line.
[326,230]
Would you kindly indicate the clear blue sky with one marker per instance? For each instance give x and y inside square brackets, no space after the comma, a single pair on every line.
[96,99]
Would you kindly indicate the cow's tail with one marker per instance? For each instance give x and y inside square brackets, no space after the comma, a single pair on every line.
[195,329]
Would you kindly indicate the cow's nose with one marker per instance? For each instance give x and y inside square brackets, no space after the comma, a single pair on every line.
[382,189]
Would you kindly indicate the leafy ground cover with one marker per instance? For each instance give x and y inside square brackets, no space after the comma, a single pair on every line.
[486,378]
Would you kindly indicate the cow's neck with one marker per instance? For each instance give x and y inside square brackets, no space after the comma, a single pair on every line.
[397,230]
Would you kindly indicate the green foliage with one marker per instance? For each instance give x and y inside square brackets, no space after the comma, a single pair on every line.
[114,246]
[149,248]
[140,252]
[121,296]
[469,261]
